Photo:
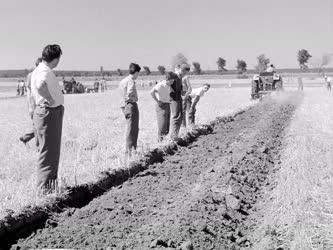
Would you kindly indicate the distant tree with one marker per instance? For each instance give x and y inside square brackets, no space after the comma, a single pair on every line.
[263,62]
[303,57]
[161,69]
[320,63]
[197,68]
[120,73]
[102,71]
[178,60]
[147,70]
[241,66]
[221,62]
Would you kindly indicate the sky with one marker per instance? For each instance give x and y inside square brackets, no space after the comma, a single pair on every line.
[112,33]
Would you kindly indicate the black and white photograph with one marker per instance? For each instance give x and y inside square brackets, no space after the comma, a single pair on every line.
[185,125]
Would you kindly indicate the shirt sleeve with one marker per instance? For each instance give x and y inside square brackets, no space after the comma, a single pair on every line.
[43,77]
[157,87]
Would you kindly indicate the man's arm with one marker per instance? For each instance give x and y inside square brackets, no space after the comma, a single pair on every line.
[195,101]
[189,87]
[153,95]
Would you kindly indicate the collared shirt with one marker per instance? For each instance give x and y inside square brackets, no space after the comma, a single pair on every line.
[163,91]
[128,91]
[41,74]
[197,92]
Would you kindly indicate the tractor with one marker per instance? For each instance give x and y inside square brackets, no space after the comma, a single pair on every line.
[264,83]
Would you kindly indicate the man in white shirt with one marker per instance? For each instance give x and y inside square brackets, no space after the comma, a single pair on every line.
[161,94]
[129,106]
[196,94]
[48,116]
[271,69]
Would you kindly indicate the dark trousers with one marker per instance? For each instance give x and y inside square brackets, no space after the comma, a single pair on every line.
[176,108]
[192,111]
[131,113]
[187,102]
[48,125]
[163,120]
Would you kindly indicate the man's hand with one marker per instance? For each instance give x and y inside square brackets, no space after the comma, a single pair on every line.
[51,102]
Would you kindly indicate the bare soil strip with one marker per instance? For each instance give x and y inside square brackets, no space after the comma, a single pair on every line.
[204,195]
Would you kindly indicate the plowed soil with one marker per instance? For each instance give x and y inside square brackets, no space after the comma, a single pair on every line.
[205,196]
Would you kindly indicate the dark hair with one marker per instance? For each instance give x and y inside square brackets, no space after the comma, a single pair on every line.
[133,68]
[51,52]
[206,84]
[38,61]
[272,65]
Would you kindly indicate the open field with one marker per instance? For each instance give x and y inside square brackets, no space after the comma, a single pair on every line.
[262,180]
[93,138]
[199,198]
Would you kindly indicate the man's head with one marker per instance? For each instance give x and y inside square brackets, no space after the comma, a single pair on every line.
[182,69]
[206,87]
[169,78]
[51,55]
[134,70]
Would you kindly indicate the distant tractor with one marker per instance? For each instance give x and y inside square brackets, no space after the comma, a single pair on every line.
[264,83]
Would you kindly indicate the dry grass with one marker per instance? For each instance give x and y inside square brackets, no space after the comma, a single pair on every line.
[93,138]
[299,212]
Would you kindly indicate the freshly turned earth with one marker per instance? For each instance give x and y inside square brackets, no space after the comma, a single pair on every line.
[199,198]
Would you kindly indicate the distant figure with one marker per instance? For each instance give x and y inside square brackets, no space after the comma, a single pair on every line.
[196,95]
[129,106]
[161,94]
[176,105]
[186,98]
[328,83]
[300,83]
[31,107]
[48,117]
[96,85]
[18,88]
[103,84]
[271,69]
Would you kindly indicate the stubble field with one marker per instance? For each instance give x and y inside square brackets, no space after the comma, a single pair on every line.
[261,180]
[93,138]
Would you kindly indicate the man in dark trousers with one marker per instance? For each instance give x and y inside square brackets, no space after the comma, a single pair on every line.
[129,107]
[176,105]
[31,107]
[48,117]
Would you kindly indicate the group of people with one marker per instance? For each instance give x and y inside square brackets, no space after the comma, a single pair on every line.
[20,88]
[175,105]
[100,85]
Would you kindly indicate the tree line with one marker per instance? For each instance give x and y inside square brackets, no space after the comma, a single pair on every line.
[304,59]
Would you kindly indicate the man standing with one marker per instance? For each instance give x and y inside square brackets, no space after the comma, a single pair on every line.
[187,100]
[31,107]
[129,107]
[48,116]
[328,82]
[196,94]
[161,94]
[176,105]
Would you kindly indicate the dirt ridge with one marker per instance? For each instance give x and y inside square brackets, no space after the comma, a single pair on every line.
[204,196]
[14,227]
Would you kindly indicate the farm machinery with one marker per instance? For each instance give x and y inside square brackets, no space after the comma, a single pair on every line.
[264,83]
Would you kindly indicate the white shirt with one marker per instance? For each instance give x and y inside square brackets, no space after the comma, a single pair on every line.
[328,79]
[41,74]
[163,91]
[270,69]
[186,83]
[197,92]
